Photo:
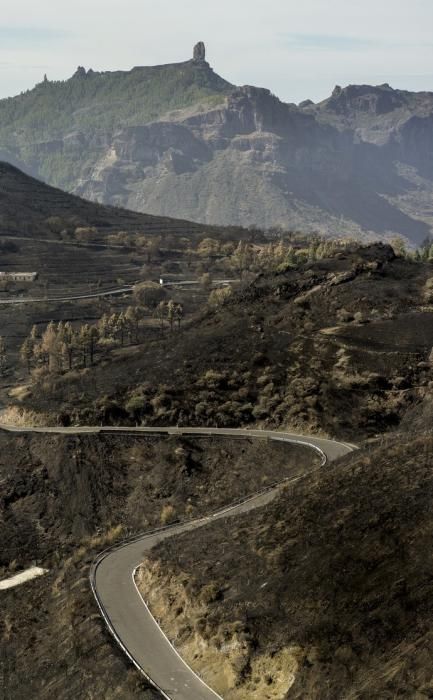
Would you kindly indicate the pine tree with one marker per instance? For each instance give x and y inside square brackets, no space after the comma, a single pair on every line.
[49,346]
[132,317]
[27,352]
[84,342]
[160,313]
[121,324]
[69,344]
[178,312]
[104,326]
[171,313]
[93,340]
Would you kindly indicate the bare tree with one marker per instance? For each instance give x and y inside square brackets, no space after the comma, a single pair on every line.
[27,353]
[161,312]
[171,306]
[50,347]
[3,357]
[178,312]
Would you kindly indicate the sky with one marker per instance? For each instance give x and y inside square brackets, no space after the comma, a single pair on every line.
[298,50]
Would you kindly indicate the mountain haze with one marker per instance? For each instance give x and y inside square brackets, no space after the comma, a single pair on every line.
[179,140]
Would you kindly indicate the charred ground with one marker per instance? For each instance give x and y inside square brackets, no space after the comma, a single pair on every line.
[328,590]
[339,346]
[63,499]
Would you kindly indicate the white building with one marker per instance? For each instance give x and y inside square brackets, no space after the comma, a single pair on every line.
[18,276]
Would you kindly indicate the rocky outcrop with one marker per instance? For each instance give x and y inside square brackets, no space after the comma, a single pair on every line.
[254,161]
[355,164]
[199,55]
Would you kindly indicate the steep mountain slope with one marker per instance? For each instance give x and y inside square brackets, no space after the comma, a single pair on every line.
[376,114]
[178,140]
[29,207]
[326,593]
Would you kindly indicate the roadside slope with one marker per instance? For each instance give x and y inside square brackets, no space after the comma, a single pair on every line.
[340,601]
[66,495]
[129,619]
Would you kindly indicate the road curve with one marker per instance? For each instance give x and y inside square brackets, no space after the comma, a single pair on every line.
[112,574]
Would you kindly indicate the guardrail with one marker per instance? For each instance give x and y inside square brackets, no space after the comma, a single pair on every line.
[200,522]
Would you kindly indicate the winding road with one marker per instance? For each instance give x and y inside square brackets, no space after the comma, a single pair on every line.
[112,574]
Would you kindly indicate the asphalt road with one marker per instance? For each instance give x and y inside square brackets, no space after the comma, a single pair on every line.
[127,289]
[112,574]
[46,300]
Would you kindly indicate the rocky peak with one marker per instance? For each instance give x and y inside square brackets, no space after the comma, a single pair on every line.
[374,100]
[199,55]
[80,72]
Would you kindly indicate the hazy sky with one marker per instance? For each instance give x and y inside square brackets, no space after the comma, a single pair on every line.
[297,49]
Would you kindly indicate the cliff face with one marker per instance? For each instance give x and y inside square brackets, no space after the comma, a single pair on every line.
[256,161]
[180,141]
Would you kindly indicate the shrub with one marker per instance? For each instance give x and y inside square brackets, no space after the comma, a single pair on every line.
[344,316]
[149,294]
[168,514]
[218,297]
[212,379]
[210,593]
[135,405]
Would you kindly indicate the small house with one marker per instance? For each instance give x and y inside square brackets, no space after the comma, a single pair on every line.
[18,276]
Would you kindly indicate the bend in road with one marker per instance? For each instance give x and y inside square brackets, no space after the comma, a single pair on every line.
[113,572]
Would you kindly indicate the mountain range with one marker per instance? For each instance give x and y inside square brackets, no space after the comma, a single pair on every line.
[179,140]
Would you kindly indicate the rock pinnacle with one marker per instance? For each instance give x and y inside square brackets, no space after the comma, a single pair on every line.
[199,55]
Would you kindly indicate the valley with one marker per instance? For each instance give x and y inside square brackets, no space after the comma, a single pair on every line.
[178,140]
[310,348]
[216,375]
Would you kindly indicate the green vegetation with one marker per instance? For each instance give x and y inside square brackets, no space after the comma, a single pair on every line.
[108,100]
[39,123]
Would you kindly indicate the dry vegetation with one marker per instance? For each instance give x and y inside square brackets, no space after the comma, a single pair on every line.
[338,346]
[64,499]
[338,604]
[326,593]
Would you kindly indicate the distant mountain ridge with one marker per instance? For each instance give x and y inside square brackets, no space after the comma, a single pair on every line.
[179,140]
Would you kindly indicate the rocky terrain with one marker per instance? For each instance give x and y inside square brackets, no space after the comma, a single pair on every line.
[179,140]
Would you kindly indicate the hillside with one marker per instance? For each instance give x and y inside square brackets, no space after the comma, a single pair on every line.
[63,499]
[179,140]
[326,593]
[29,207]
[337,346]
